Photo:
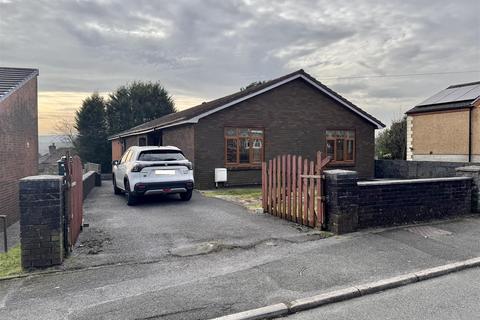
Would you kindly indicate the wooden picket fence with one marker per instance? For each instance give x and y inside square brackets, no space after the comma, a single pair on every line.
[292,189]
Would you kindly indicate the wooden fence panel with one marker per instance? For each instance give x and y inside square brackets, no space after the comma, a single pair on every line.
[292,188]
[269,196]
[305,193]
[284,186]
[311,196]
[300,191]
[288,210]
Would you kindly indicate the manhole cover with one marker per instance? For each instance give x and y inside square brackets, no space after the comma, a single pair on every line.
[428,231]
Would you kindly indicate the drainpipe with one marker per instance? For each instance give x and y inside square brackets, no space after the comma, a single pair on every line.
[470,135]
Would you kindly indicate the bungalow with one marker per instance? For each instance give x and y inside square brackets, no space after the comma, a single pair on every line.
[446,126]
[293,114]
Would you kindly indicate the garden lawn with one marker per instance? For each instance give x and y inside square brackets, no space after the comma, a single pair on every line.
[251,198]
[10,263]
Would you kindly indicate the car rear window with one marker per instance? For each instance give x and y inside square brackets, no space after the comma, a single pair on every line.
[160,155]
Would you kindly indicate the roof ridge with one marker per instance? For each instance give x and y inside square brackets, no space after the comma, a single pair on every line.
[205,108]
[463,84]
[13,78]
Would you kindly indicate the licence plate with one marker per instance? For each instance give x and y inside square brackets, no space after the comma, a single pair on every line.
[167,172]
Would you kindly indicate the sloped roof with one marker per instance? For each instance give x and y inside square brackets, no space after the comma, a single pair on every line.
[459,96]
[192,115]
[13,78]
[52,158]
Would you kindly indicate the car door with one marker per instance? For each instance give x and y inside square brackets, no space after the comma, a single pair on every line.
[122,169]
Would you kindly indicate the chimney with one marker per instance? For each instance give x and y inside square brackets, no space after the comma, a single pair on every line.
[52,148]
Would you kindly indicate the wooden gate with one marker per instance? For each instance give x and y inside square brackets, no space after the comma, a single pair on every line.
[292,189]
[74,200]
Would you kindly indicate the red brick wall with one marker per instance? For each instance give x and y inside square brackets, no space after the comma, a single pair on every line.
[18,145]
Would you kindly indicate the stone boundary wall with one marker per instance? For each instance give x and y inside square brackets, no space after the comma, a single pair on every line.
[352,204]
[403,169]
[91,180]
[384,203]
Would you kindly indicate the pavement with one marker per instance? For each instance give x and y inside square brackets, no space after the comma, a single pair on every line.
[454,296]
[206,258]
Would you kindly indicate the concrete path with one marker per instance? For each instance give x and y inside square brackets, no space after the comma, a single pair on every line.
[173,260]
[454,296]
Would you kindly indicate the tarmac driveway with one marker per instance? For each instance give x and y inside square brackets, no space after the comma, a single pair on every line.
[166,226]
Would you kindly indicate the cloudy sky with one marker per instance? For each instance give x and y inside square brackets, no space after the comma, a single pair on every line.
[385,56]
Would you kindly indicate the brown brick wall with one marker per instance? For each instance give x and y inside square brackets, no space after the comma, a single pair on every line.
[19,145]
[181,137]
[294,117]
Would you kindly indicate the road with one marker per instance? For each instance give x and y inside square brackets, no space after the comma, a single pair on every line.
[206,258]
[454,296]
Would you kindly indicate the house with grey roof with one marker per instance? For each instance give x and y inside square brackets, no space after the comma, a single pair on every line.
[446,126]
[292,114]
[18,134]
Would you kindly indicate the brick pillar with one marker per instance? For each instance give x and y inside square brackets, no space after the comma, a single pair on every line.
[474,173]
[342,200]
[41,220]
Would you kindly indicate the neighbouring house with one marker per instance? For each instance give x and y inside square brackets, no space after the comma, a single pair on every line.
[293,114]
[48,163]
[18,134]
[446,126]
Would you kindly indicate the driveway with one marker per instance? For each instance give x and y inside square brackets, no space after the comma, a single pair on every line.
[166,259]
[159,227]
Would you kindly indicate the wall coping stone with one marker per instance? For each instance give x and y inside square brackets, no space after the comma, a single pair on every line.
[88,174]
[468,169]
[46,177]
[410,181]
[339,171]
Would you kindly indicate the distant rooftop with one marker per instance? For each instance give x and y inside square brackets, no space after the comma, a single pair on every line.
[13,78]
[458,96]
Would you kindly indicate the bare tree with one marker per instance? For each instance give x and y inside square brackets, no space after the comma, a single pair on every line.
[67,132]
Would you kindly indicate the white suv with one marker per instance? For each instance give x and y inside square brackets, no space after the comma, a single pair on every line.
[152,170]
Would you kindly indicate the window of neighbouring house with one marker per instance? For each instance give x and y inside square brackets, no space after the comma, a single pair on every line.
[243,146]
[341,145]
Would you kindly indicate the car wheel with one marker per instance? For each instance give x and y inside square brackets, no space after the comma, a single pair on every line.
[131,199]
[185,196]
[116,190]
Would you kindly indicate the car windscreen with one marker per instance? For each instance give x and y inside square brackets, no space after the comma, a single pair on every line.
[160,155]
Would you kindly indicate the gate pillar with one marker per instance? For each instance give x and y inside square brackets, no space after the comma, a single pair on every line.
[41,221]
[342,200]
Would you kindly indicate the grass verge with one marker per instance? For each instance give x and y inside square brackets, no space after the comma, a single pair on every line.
[251,198]
[10,263]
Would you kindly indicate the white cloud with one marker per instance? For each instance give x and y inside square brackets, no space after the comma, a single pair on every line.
[209,48]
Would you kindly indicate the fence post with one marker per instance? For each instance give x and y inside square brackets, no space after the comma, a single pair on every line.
[300,191]
[4,224]
[264,186]
[342,200]
[474,172]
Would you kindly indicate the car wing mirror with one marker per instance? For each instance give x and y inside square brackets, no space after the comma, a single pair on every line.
[115,163]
